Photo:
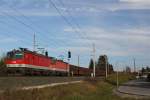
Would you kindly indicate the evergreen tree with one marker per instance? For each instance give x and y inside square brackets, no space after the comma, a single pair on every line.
[2,66]
[143,70]
[91,64]
[101,64]
[2,62]
[111,69]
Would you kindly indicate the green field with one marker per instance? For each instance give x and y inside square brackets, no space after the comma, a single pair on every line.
[90,89]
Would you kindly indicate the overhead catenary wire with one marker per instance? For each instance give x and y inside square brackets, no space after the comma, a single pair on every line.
[63,17]
[13,27]
[73,19]
[10,34]
[30,20]
[43,30]
[26,25]
[32,29]
[12,17]
[70,24]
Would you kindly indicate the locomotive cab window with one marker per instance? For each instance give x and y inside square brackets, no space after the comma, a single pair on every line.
[10,55]
[18,55]
[14,55]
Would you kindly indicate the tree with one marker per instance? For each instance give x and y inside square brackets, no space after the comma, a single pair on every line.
[2,65]
[111,69]
[147,69]
[128,69]
[91,64]
[102,61]
[2,61]
[143,70]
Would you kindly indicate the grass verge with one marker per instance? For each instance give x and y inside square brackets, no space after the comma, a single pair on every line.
[122,78]
[91,89]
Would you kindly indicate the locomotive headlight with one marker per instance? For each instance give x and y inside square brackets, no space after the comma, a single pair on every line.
[13,62]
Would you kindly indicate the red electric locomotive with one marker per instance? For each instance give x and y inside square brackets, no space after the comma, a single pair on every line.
[26,62]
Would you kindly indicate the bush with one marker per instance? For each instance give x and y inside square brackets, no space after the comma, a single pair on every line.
[2,66]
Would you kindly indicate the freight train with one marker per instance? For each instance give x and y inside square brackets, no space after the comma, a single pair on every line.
[26,62]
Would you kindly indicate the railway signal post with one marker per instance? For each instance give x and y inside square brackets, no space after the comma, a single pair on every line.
[69,56]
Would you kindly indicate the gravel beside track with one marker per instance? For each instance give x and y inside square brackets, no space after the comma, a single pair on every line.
[10,83]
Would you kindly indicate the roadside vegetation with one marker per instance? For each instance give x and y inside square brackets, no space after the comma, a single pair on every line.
[2,66]
[122,78]
[90,89]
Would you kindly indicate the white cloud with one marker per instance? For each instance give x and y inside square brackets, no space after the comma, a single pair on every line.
[136,1]
[29,13]
[8,40]
[122,42]
[77,8]
[133,4]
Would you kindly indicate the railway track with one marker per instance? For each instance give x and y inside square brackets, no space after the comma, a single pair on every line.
[11,83]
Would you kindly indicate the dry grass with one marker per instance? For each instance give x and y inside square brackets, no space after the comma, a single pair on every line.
[87,90]
[122,77]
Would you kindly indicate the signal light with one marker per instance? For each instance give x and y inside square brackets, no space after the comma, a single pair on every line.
[69,54]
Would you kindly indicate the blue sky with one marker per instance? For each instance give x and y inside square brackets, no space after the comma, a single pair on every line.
[119,28]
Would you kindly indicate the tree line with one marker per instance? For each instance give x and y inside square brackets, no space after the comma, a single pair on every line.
[101,64]
[2,65]
[145,70]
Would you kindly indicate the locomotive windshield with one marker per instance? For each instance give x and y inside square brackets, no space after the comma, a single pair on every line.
[15,55]
[18,55]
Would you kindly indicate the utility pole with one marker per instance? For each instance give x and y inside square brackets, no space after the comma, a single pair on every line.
[106,74]
[78,60]
[78,63]
[117,79]
[93,60]
[34,42]
[134,65]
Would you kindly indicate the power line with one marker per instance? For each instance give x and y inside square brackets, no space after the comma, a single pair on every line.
[30,27]
[12,8]
[27,42]
[9,36]
[12,26]
[25,17]
[63,17]
[72,18]
[21,22]
[36,24]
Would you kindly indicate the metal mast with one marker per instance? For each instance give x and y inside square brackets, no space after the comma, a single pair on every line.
[34,42]
[94,60]
[134,65]
[106,67]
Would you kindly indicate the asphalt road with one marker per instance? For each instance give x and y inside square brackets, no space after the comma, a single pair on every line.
[139,87]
